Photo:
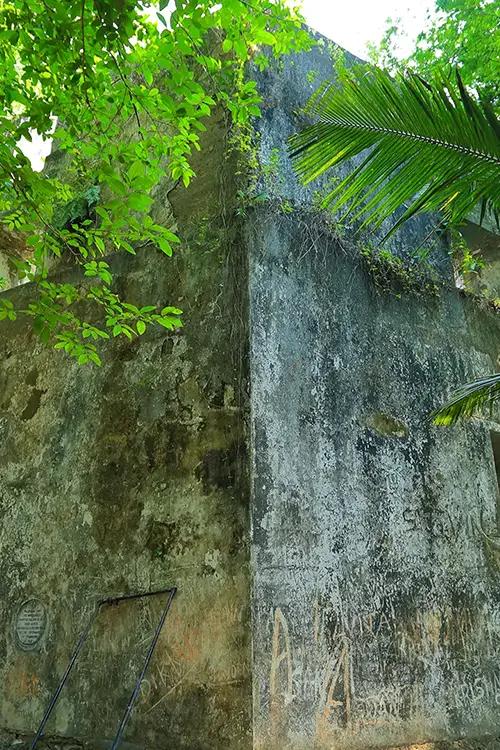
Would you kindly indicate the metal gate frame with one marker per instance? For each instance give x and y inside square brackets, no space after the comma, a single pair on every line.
[112,600]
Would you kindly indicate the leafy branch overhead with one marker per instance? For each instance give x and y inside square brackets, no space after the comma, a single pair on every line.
[131,97]
[425,146]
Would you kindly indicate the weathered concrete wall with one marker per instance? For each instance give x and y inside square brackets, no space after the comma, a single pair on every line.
[375,539]
[376,573]
[133,477]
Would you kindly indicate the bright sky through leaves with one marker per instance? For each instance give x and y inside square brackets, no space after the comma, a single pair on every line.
[356,23]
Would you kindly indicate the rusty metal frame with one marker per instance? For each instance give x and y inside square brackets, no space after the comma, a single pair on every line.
[109,601]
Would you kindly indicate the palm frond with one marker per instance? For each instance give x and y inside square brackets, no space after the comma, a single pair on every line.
[431,147]
[468,400]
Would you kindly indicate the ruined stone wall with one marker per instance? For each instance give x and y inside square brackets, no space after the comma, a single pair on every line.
[133,477]
[374,534]
[374,615]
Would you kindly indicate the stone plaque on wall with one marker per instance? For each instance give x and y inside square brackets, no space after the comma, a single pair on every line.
[30,624]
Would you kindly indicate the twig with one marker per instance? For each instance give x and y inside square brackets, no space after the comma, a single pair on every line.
[131,97]
[84,58]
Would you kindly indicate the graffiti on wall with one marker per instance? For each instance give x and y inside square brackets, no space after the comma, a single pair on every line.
[326,667]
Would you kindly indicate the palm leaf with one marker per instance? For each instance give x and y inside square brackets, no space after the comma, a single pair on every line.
[431,147]
[468,400]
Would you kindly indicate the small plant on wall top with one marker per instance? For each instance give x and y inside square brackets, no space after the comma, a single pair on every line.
[266,182]
[395,275]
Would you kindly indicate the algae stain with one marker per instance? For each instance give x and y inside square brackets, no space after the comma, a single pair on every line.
[33,404]
[386,425]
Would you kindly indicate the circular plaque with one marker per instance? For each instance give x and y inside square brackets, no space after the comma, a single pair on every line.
[30,624]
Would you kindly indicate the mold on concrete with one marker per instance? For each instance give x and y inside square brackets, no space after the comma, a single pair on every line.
[375,599]
[386,425]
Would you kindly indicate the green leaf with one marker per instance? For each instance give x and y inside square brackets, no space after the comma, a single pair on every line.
[136,169]
[100,244]
[265,37]
[102,212]
[94,357]
[164,246]
[171,311]
[165,322]
[116,184]
[127,246]
[139,201]
[141,327]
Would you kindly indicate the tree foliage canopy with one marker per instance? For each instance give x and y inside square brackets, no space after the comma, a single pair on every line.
[432,135]
[432,146]
[461,34]
[131,97]
[469,399]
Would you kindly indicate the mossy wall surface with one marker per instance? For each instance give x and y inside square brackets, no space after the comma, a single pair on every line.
[375,538]
[132,477]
